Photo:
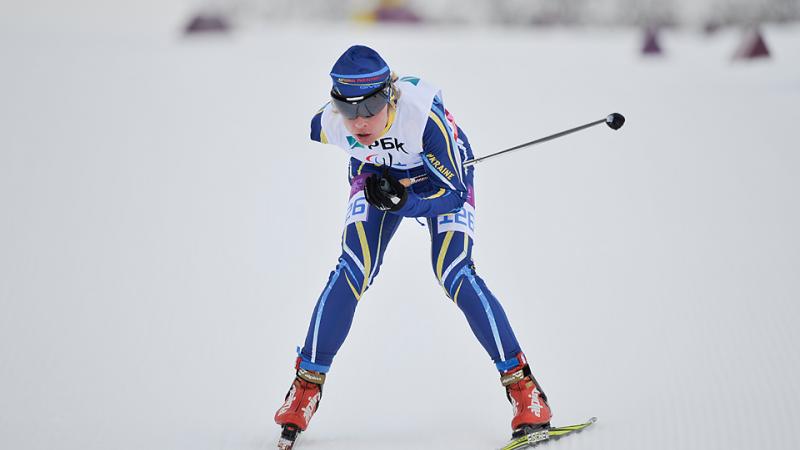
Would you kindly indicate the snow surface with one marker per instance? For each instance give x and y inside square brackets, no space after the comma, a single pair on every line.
[167,227]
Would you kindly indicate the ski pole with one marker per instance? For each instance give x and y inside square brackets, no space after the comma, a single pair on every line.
[614,121]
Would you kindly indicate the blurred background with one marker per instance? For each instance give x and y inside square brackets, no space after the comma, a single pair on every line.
[708,15]
[522,13]
[166,225]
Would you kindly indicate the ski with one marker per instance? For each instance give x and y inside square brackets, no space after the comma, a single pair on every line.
[535,438]
[288,437]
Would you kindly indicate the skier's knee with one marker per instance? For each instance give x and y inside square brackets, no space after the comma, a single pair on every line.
[360,271]
[452,280]
[352,274]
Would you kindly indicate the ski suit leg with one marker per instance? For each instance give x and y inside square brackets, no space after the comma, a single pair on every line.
[366,235]
[452,264]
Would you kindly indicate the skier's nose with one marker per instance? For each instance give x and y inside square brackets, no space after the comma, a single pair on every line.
[361,123]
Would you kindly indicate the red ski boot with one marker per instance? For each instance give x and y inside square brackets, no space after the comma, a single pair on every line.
[300,404]
[531,411]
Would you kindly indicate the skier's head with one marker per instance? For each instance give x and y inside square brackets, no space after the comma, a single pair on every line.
[362,92]
[362,83]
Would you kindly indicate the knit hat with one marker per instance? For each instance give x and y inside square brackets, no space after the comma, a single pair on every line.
[359,71]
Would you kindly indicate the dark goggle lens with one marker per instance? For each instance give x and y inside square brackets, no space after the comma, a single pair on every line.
[367,106]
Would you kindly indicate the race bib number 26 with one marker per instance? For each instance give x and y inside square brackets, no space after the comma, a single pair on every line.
[357,209]
[462,221]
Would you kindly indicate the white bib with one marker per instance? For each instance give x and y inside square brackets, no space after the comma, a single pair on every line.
[401,146]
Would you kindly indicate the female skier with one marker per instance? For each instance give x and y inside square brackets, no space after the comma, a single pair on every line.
[395,129]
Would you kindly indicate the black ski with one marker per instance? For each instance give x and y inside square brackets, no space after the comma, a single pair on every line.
[289,434]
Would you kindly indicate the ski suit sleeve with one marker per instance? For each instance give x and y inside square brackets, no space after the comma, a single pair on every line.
[316,128]
[442,162]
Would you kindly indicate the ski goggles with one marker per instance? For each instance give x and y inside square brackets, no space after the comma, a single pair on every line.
[364,105]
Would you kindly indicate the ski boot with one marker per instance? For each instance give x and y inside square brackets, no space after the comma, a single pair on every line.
[531,411]
[300,404]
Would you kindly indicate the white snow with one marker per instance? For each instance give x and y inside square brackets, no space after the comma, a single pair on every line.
[167,227]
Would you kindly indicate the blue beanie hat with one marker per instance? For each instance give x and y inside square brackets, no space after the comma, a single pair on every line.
[359,71]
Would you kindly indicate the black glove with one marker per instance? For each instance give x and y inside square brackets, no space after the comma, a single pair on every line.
[385,192]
